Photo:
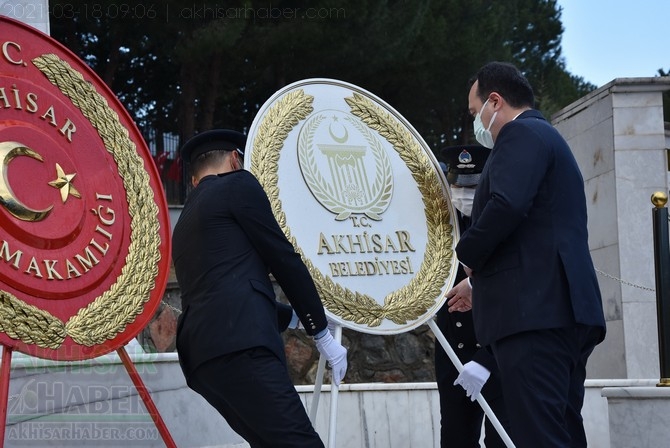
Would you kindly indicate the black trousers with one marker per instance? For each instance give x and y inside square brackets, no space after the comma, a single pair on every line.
[542,375]
[252,390]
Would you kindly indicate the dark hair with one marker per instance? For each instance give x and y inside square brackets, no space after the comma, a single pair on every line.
[505,79]
[207,159]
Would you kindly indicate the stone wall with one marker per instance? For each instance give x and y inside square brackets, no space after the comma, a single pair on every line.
[401,358]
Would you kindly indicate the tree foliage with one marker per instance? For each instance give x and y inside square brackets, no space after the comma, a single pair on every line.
[190,67]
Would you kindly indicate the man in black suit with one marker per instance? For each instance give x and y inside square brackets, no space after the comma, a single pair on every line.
[225,244]
[461,416]
[536,300]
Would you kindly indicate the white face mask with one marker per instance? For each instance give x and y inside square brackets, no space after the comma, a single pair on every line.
[483,135]
[462,198]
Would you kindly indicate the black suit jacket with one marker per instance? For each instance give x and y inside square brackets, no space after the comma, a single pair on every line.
[224,246]
[528,242]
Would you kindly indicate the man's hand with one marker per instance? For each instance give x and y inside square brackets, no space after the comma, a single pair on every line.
[335,353]
[472,379]
[460,297]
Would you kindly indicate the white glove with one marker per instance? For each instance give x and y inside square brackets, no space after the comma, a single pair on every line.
[472,379]
[336,355]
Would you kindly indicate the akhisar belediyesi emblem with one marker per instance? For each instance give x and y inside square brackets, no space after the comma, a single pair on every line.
[345,178]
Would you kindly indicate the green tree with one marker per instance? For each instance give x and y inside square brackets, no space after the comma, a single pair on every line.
[193,67]
[127,53]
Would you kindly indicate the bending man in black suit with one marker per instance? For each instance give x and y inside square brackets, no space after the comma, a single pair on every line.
[461,417]
[536,300]
[225,244]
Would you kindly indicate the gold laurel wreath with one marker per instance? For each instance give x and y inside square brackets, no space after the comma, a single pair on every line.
[109,314]
[414,299]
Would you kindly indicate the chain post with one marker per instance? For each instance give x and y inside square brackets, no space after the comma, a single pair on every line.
[662,270]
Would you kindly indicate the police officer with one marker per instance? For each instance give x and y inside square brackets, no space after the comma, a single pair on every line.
[461,415]
[225,244]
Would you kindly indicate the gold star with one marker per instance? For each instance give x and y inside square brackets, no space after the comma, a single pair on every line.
[63,183]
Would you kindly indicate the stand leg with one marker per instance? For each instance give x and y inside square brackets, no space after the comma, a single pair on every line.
[480,399]
[334,390]
[146,397]
[314,405]
[4,390]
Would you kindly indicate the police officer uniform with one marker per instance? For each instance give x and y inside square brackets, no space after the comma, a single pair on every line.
[225,244]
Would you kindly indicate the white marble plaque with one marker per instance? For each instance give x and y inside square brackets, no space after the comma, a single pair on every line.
[363,200]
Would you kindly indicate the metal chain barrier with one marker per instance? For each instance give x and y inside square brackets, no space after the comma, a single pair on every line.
[175,309]
[623,282]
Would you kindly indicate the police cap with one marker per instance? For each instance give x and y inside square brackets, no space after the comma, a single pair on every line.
[215,139]
[464,164]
